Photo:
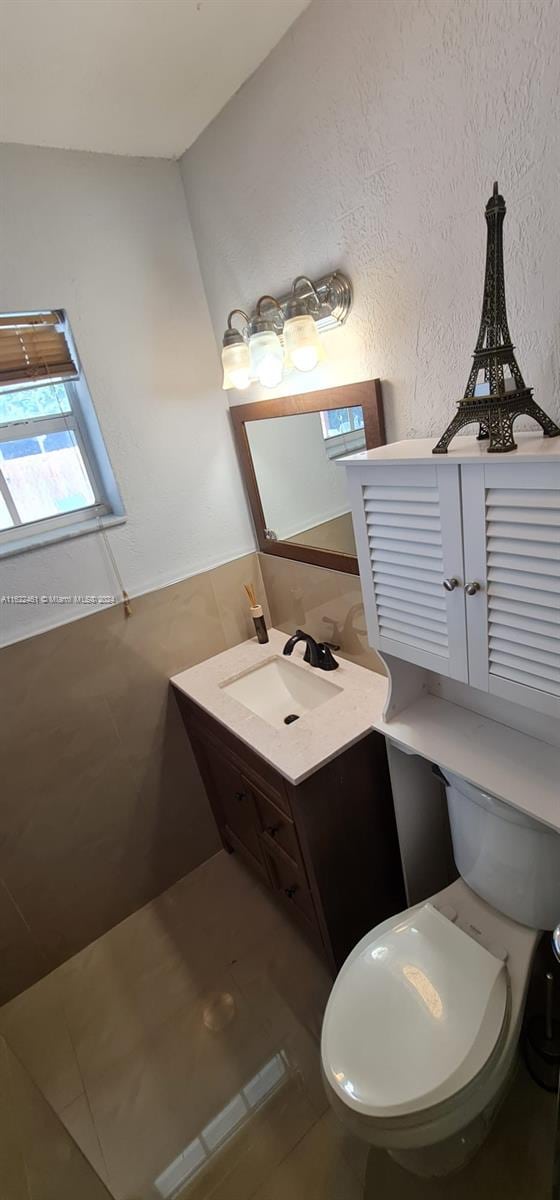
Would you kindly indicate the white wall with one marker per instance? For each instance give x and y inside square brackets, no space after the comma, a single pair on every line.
[369,140]
[108,239]
[299,485]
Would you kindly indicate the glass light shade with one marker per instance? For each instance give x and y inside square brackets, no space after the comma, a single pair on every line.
[236,363]
[267,357]
[302,342]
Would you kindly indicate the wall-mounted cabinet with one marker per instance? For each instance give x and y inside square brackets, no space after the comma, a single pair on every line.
[460,562]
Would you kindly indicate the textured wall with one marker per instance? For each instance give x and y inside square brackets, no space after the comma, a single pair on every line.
[108,239]
[370,139]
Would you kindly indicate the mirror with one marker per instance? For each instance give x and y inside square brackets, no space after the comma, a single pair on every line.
[291,451]
[312,509]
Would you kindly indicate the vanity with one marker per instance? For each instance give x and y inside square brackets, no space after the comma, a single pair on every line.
[322,781]
[306,804]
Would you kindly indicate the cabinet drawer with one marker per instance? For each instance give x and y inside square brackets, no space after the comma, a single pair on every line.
[290,883]
[276,827]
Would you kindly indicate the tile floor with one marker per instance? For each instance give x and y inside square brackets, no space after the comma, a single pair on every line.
[39,1160]
[181,1052]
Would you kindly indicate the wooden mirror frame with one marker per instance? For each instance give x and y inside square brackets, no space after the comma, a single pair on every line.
[365,395]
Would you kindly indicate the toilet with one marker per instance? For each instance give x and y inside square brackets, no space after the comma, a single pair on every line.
[420,1032]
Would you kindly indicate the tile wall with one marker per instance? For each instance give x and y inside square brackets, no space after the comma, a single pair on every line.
[102,806]
[327,604]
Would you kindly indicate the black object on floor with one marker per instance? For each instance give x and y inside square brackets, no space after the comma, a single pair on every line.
[541,1043]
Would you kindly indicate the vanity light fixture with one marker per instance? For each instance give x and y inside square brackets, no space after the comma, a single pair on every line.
[284,333]
[301,339]
[265,347]
[235,355]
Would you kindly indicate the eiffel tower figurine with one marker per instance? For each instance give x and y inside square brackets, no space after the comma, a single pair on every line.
[496,393]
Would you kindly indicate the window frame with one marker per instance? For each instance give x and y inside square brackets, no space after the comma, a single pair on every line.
[82,421]
[337,445]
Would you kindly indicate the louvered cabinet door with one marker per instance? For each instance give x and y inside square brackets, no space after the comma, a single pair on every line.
[407,524]
[511,522]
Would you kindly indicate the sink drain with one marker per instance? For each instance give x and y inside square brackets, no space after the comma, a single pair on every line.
[291,718]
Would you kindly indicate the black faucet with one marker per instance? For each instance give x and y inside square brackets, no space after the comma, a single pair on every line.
[318,654]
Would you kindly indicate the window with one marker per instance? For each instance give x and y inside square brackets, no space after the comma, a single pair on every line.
[343,430]
[55,476]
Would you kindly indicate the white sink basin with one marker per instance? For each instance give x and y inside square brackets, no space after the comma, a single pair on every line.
[278,689]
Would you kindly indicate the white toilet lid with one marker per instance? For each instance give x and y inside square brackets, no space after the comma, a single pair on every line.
[413,1017]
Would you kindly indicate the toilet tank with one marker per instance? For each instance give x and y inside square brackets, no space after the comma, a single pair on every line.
[509,859]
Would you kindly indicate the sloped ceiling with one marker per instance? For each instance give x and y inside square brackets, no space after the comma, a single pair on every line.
[140,77]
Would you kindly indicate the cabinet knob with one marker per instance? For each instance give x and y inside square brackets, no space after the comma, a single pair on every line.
[472,588]
[450,584]
[291,891]
[272,830]
[240,797]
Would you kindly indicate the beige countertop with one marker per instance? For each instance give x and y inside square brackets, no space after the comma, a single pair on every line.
[319,735]
[517,768]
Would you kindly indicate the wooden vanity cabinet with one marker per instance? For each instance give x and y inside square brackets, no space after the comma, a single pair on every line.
[327,847]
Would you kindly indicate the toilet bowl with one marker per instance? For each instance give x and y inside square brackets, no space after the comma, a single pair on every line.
[420,1032]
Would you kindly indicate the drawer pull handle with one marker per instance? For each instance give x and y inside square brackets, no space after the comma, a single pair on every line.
[240,797]
[291,891]
[272,830]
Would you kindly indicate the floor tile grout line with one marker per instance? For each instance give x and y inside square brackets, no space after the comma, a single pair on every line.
[150,1034]
[287,1155]
[225,972]
[109,1183]
[255,1011]
[258,1187]
[58,1008]
[86,1097]
[15,904]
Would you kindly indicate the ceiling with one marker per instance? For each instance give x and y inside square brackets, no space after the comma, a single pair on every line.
[128,76]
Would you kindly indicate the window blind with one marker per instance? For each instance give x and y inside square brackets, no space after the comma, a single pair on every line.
[34,349]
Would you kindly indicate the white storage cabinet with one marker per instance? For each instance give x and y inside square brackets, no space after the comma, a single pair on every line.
[459,560]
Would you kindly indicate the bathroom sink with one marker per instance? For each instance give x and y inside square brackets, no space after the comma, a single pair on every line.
[280,691]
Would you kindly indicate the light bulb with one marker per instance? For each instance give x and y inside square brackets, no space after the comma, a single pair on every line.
[302,342]
[236,362]
[267,357]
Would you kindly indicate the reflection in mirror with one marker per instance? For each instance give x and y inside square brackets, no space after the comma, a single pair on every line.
[289,451]
[301,483]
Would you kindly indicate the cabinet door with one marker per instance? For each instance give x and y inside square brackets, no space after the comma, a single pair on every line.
[407,524]
[511,522]
[232,800]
